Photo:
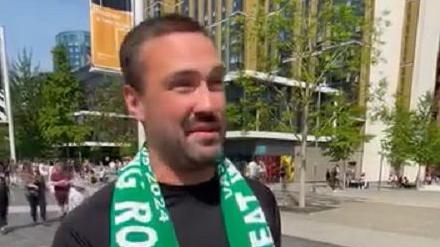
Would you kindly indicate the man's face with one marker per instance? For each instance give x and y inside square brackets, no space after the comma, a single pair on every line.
[183,100]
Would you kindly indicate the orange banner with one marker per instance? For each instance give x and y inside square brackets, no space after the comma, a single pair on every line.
[110,21]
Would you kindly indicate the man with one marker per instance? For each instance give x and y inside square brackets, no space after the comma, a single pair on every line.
[179,191]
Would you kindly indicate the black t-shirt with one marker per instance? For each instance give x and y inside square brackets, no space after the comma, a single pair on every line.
[195,212]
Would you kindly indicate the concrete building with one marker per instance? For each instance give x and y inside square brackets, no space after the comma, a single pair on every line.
[77,44]
[410,51]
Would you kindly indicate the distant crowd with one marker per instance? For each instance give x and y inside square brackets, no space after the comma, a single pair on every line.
[69,182]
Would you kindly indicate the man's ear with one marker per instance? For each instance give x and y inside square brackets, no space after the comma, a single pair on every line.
[133,102]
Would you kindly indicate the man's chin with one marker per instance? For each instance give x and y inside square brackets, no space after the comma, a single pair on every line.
[205,154]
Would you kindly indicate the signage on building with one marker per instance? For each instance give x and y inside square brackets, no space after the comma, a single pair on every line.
[260,150]
[110,21]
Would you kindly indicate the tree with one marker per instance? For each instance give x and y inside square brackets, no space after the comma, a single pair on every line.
[61,97]
[251,110]
[343,126]
[397,118]
[310,45]
[26,90]
[108,100]
[425,135]
[411,136]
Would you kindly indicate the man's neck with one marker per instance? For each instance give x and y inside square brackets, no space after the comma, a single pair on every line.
[166,174]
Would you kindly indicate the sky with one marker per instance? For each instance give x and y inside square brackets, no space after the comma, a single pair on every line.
[33,24]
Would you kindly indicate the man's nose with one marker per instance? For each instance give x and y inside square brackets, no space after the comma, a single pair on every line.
[204,101]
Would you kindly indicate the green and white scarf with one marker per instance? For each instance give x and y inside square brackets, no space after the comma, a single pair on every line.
[139,217]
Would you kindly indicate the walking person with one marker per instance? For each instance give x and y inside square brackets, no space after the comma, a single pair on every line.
[4,198]
[60,180]
[35,186]
[77,192]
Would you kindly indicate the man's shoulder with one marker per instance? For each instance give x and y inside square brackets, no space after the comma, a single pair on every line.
[87,223]
[261,191]
[264,195]
[96,205]
[269,206]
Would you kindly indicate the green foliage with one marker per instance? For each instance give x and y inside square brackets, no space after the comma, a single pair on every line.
[410,135]
[342,121]
[425,141]
[26,90]
[252,111]
[398,134]
[308,45]
[61,97]
[108,100]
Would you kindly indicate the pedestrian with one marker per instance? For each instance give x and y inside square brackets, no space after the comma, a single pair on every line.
[60,180]
[262,171]
[77,192]
[35,186]
[254,170]
[4,197]
[179,190]
[327,176]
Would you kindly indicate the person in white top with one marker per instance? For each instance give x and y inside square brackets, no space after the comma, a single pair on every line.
[254,170]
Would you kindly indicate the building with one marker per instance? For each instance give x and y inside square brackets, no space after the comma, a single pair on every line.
[77,44]
[411,50]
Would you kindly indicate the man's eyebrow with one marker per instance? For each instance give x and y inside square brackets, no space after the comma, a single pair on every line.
[214,71]
[183,72]
[217,69]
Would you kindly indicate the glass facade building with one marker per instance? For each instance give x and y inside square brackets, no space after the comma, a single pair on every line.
[77,44]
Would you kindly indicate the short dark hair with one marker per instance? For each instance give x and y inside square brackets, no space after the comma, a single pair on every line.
[147,30]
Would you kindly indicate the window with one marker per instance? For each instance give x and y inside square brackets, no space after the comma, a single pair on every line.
[205,13]
[157,10]
[237,5]
[223,9]
[185,7]
[196,9]
[213,11]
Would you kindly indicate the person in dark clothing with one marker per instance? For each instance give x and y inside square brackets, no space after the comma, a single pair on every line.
[4,197]
[195,205]
[179,190]
[35,192]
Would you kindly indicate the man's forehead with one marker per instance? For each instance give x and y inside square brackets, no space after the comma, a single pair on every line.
[180,51]
[178,41]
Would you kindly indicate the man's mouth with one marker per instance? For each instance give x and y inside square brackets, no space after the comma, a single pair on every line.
[204,130]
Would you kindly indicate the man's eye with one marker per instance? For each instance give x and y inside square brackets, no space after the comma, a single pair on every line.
[183,85]
[216,84]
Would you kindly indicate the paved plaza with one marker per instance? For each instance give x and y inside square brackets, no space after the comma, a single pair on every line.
[343,219]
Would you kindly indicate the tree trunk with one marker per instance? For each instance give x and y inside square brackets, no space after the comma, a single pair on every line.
[303,154]
[344,173]
[418,180]
[257,120]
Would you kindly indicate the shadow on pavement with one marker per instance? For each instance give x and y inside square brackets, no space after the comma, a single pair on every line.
[288,201]
[48,222]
